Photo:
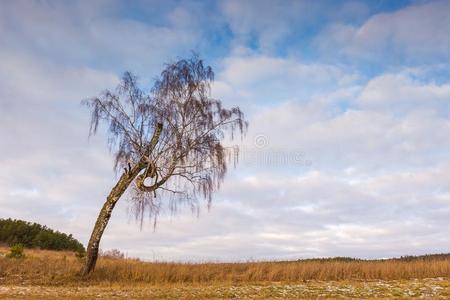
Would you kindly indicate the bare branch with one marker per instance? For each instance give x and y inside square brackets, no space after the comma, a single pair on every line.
[172,135]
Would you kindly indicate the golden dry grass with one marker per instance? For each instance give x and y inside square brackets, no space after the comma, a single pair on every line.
[53,268]
[55,275]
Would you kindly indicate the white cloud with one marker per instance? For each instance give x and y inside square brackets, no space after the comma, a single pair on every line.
[28,193]
[419,32]
[385,124]
[258,81]
[246,70]
[91,33]
[267,23]
[49,173]
[27,79]
[258,221]
[400,92]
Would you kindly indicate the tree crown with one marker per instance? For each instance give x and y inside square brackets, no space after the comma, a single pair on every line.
[174,133]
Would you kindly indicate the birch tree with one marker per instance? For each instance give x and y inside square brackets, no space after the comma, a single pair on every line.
[167,143]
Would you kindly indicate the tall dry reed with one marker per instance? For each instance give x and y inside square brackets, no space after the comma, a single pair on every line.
[46,267]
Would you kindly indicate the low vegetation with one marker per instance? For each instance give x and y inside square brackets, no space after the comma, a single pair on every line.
[64,267]
[16,251]
[44,274]
[33,235]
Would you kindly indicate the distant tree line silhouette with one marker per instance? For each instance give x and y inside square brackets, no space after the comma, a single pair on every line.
[33,235]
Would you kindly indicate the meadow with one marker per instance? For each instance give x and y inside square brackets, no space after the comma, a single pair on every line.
[45,274]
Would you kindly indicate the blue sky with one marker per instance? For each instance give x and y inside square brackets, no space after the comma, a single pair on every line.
[347,152]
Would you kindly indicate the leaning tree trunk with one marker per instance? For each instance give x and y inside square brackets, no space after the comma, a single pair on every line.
[105,213]
[104,216]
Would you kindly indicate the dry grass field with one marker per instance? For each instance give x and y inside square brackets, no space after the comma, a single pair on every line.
[55,275]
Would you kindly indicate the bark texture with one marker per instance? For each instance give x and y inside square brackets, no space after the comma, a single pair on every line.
[105,213]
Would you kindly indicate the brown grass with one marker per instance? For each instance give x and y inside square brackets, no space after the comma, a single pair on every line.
[62,268]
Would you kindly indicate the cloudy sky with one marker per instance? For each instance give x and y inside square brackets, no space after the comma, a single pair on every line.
[348,149]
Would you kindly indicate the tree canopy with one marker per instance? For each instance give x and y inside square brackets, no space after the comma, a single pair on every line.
[33,235]
[186,160]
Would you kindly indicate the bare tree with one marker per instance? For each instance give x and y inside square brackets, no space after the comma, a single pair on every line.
[168,142]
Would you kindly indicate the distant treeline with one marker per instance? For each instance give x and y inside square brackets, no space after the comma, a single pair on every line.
[33,235]
[425,257]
